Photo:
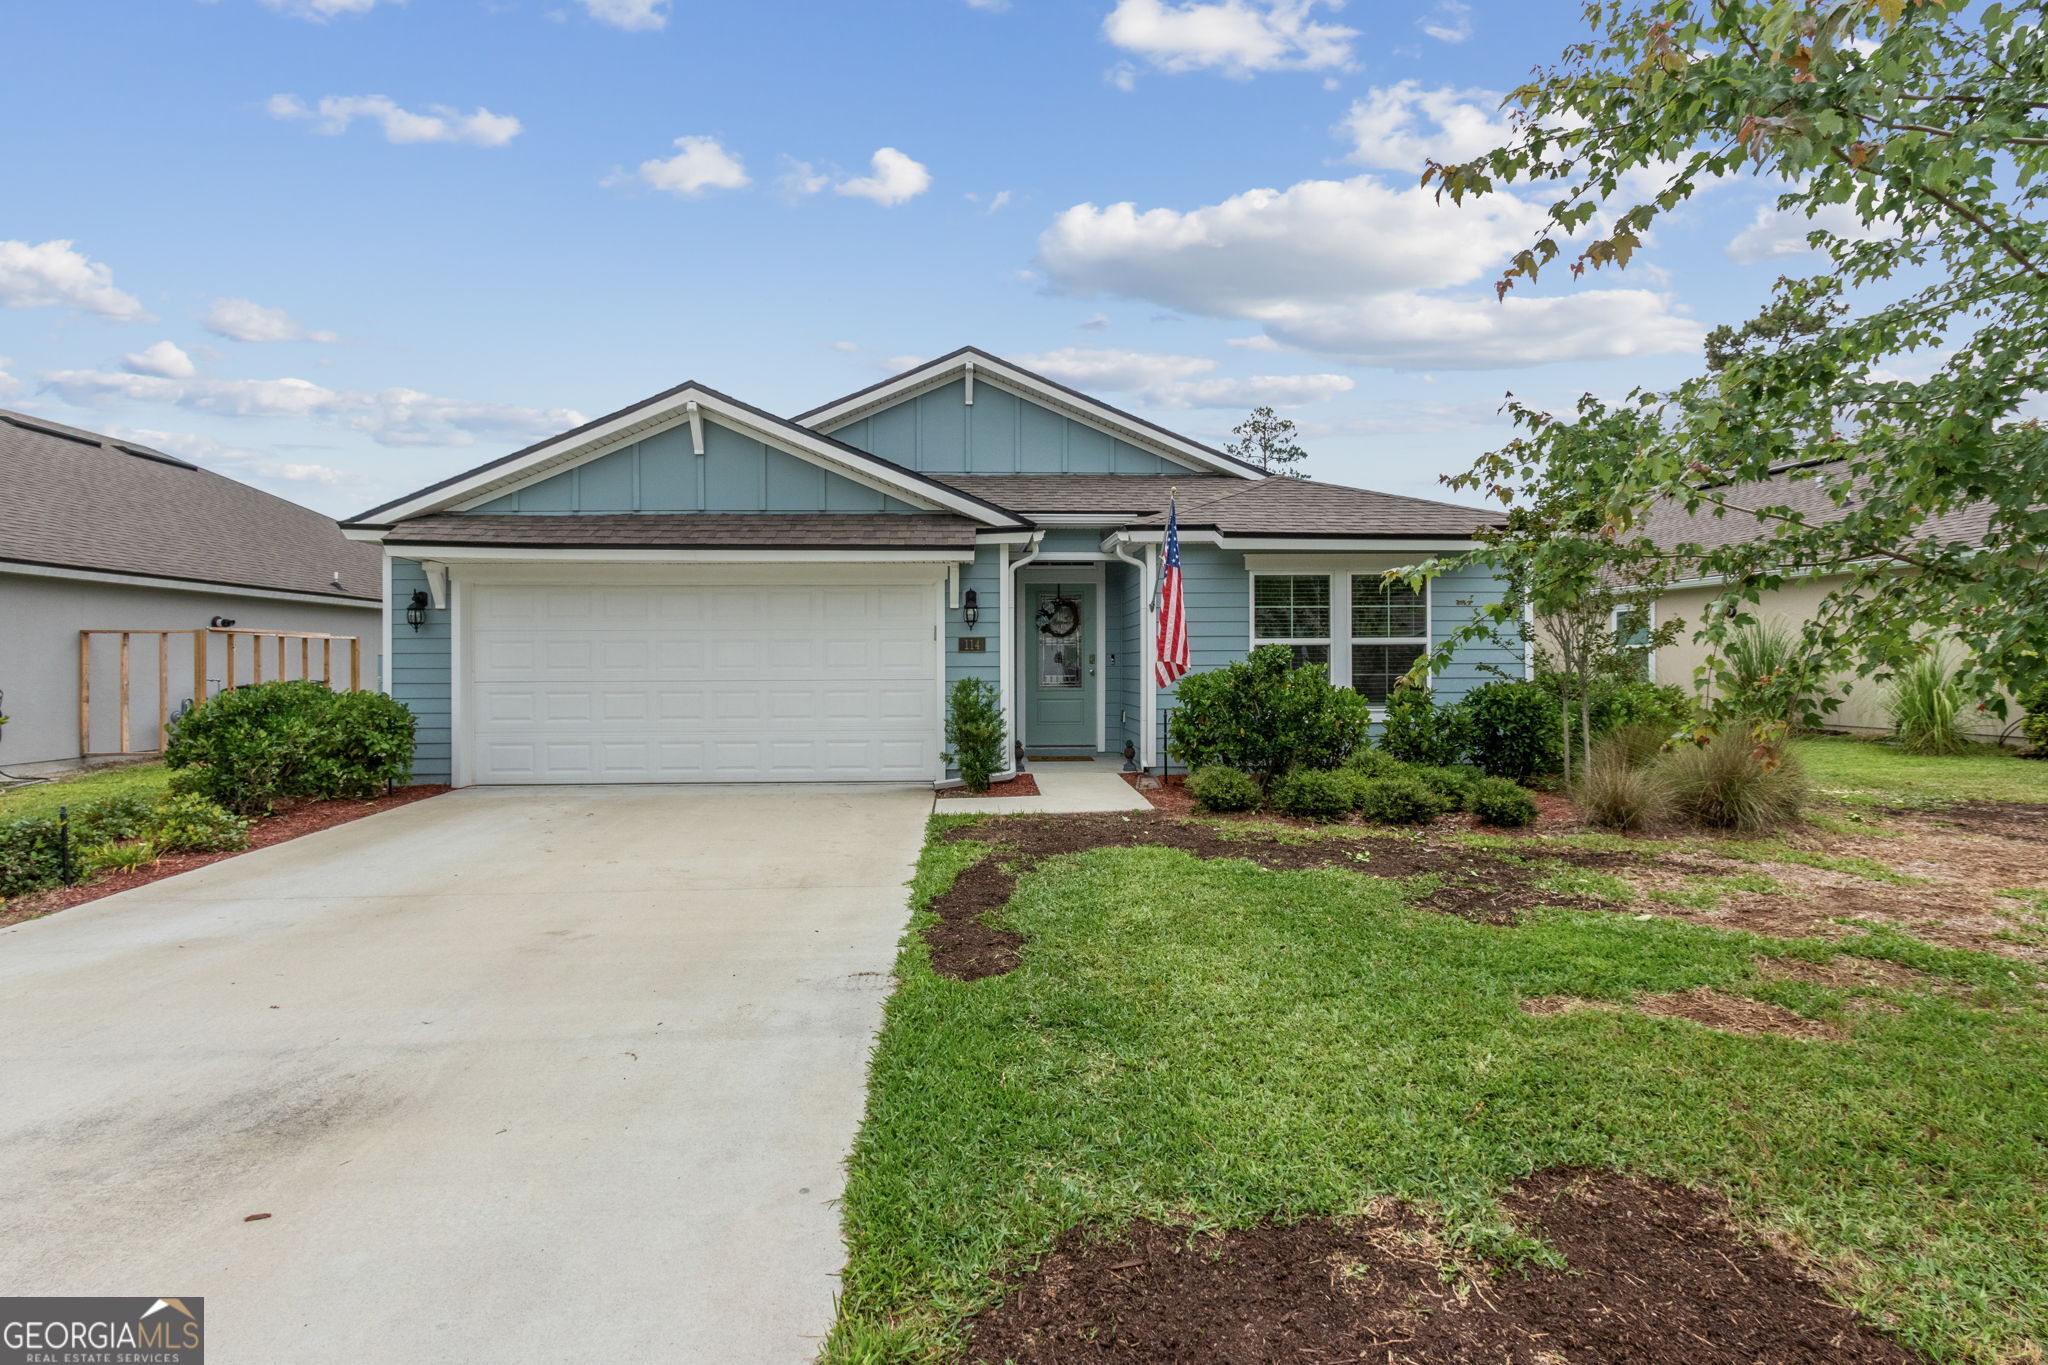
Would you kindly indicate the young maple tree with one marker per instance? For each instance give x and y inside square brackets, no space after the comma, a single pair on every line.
[1898,375]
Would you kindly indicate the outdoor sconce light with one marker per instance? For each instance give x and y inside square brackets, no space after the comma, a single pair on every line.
[970,607]
[416,610]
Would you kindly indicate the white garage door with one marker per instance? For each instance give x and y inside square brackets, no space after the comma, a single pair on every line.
[702,683]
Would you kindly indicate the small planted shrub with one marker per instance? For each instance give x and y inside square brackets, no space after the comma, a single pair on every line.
[247,749]
[1616,703]
[28,855]
[1418,731]
[183,823]
[1374,762]
[1742,778]
[1217,788]
[1398,801]
[1308,794]
[108,820]
[2034,725]
[974,732]
[1262,715]
[1453,785]
[365,745]
[1924,702]
[99,859]
[1502,803]
[1513,729]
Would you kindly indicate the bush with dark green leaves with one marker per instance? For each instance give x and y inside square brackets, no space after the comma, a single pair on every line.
[184,823]
[1372,762]
[1613,702]
[1262,715]
[1217,788]
[1513,729]
[28,855]
[1454,785]
[1398,801]
[1502,803]
[109,820]
[247,749]
[2035,723]
[1310,794]
[1417,730]
[974,732]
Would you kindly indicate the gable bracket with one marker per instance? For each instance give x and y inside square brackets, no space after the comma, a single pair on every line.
[696,426]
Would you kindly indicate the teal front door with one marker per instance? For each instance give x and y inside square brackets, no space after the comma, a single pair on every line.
[1062,688]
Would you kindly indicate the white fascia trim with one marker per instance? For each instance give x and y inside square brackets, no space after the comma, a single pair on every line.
[1307,544]
[372,535]
[1005,537]
[130,580]
[542,554]
[987,370]
[566,452]
[1078,518]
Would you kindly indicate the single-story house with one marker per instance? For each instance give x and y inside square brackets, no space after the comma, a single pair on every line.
[1688,601]
[106,535]
[691,589]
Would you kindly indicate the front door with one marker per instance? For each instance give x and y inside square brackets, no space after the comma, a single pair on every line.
[1061,688]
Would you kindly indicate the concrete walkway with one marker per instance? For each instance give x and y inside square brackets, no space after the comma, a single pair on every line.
[520,1074]
[1065,787]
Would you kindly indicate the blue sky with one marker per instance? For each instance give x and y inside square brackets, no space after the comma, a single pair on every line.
[342,248]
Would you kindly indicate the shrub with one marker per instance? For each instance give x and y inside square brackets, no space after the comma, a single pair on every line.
[1308,794]
[2035,724]
[1374,762]
[974,732]
[101,858]
[1614,794]
[1632,746]
[1616,703]
[1453,785]
[183,823]
[1741,778]
[1513,729]
[1262,715]
[1923,702]
[247,749]
[1417,732]
[1398,801]
[109,820]
[1769,676]
[28,855]
[1501,803]
[1219,788]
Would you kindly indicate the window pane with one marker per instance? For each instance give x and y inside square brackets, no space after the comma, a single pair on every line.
[1382,610]
[1311,654]
[1375,668]
[1291,606]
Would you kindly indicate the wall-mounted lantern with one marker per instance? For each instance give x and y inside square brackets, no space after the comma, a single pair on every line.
[416,610]
[970,607]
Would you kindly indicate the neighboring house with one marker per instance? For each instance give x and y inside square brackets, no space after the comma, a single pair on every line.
[103,534]
[691,589]
[1689,600]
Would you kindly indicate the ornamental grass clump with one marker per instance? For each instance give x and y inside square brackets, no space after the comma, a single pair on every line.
[1742,778]
[1925,703]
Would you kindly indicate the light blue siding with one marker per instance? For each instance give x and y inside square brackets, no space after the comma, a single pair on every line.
[1124,618]
[984,577]
[1453,599]
[1001,433]
[1070,540]
[420,673]
[663,473]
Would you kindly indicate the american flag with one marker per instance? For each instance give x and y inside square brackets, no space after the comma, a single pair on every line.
[1172,652]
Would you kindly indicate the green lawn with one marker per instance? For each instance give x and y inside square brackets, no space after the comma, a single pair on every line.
[1867,773]
[145,780]
[1212,1043]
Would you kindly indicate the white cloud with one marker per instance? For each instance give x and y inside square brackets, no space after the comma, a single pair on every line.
[991,6]
[334,113]
[998,201]
[1449,22]
[392,417]
[801,178]
[243,320]
[237,461]
[1238,38]
[847,346]
[634,16]
[1350,268]
[1260,342]
[1123,76]
[895,179]
[54,275]
[1401,126]
[1774,233]
[1094,322]
[165,359]
[8,383]
[1179,381]
[699,164]
[320,11]
[897,364]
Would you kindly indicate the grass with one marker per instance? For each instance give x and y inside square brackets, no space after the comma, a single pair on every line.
[1861,772]
[1214,1044]
[43,799]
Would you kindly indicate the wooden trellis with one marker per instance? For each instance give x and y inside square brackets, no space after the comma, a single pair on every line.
[258,666]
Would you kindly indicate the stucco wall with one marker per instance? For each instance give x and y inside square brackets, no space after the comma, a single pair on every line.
[40,618]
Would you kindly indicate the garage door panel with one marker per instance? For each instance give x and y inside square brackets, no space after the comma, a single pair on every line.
[824,682]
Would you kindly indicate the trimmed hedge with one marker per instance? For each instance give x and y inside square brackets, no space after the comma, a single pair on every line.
[1217,788]
[1514,730]
[1398,801]
[247,749]
[1264,716]
[1308,794]
[1501,803]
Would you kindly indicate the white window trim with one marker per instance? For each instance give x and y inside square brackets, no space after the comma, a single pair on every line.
[1340,612]
[1649,625]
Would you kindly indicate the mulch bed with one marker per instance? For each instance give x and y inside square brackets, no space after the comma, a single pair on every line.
[1023,784]
[1554,811]
[271,829]
[1656,1274]
[965,947]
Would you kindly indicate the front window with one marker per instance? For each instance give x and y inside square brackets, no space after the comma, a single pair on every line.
[1293,610]
[1389,634]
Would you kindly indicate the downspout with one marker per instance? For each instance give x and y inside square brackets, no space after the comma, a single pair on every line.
[1008,671]
[1148,683]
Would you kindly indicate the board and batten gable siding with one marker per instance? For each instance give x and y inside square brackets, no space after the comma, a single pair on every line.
[420,673]
[663,473]
[939,432]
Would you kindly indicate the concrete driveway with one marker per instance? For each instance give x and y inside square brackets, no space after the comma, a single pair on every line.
[520,1074]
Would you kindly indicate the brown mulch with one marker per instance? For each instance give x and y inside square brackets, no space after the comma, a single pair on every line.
[965,947]
[1702,1005]
[1844,973]
[1554,811]
[1023,784]
[1656,1274]
[270,829]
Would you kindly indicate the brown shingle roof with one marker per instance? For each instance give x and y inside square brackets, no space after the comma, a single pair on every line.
[1803,490]
[1132,495]
[76,499]
[693,530]
[1309,508]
